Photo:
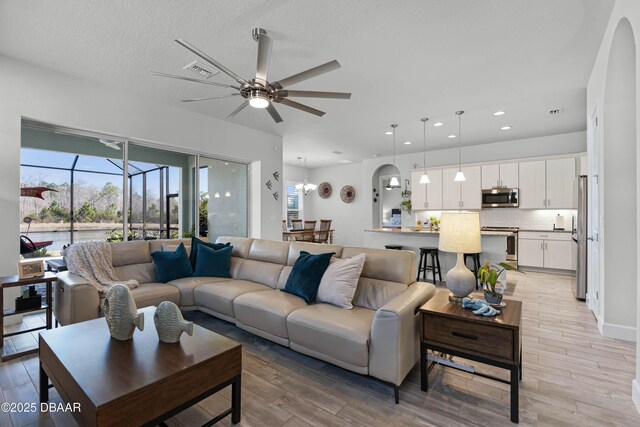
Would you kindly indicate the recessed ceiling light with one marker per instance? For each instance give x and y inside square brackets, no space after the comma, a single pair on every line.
[498,113]
[407,143]
[438,124]
[345,161]
[388,132]
[505,128]
[376,155]
[451,136]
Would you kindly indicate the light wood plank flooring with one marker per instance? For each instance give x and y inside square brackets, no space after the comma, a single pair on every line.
[572,376]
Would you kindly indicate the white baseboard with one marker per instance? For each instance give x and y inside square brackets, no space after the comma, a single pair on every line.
[635,393]
[620,332]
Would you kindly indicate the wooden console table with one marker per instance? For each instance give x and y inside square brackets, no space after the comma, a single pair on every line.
[497,341]
[10,282]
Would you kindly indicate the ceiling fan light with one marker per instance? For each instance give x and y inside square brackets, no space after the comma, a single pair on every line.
[459,177]
[258,100]
[394,183]
[424,179]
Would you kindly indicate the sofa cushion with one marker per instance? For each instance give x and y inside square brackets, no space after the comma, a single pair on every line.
[241,245]
[186,285]
[269,251]
[154,293]
[312,248]
[127,253]
[266,273]
[219,296]
[339,282]
[267,311]
[340,334]
[383,264]
[306,275]
[196,243]
[158,244]
[284,276]
[172,265]
[373,293]
[143,273]
[213,263]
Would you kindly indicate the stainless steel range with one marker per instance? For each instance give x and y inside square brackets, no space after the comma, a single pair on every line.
[512,241]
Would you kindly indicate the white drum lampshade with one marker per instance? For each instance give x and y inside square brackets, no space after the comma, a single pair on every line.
[460,234]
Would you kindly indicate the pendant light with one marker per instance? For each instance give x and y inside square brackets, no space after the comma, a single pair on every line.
[459,176]
[424,179]
[394,182]
[306,187]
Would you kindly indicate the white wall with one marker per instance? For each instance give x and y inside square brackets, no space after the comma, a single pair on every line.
[40,94]
[596,93]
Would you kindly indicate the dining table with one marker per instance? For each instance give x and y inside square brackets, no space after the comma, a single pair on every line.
[305,235]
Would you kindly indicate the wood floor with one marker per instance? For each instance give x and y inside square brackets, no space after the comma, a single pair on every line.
[572,376]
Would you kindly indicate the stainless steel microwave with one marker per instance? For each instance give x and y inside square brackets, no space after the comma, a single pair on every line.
[500,197]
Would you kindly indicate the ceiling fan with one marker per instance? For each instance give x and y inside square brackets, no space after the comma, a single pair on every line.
[259,92]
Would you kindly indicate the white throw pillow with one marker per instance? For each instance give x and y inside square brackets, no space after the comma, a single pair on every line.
[340,280]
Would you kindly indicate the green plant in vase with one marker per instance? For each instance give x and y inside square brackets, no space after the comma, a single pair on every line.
[435,223]
[488,276]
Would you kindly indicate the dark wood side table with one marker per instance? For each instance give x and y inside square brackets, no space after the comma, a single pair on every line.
[497,341]
[12,281]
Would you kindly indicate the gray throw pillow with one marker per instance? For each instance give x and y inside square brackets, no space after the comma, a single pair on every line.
[340,280]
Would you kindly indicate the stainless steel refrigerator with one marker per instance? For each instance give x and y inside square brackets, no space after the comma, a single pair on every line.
[579,236]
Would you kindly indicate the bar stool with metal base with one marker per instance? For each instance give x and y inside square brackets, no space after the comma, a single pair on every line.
[476,265]
[434,267]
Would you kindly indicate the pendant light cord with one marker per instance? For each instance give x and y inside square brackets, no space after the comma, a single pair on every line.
[459,143]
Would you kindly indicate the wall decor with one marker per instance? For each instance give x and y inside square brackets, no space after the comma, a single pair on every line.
[324,190]
[268,184]
[121,313]
[276,175]
[275,195]
[347,194]
[169,322]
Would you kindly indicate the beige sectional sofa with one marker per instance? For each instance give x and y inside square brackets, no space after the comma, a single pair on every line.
[378,337]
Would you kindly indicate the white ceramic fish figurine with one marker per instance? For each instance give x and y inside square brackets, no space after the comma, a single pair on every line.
[169,322]
[121,313]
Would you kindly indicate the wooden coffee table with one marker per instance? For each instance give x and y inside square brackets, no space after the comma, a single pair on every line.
[141,381]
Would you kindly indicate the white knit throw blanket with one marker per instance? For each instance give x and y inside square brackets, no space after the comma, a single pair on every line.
[92,261]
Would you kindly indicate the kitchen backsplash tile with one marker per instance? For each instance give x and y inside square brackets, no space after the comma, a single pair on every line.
[531,219]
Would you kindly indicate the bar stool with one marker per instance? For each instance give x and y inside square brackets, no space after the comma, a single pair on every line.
[396,247]
[434,267]
[476,265]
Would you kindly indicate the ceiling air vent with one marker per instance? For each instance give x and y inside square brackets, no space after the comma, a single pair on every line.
[200,68]
[555,112]
[336,152]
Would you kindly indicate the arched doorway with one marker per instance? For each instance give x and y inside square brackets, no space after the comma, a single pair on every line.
[384,200]
[618,190]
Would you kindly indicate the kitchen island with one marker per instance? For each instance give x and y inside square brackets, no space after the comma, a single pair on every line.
[494,244]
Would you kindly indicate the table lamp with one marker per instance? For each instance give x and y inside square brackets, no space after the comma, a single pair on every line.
[460,233]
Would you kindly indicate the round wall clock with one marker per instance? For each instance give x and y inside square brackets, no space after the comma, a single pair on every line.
[347,194]
[324,190]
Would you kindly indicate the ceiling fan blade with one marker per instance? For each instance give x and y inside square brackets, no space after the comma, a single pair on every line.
[189,79]
[312,94]
[274,113]
[237,110]
[305,75]
[264,55]
[299,106]
[211,97]
[212,61]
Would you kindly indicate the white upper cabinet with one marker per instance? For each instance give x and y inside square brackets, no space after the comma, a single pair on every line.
[501,175]
[471,188]
[450,189]
[533,193]
[434,190]
[418,192]
[561,175]
[509,175]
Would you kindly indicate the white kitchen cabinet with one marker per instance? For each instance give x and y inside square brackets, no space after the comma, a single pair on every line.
[500,175]
[561,176]
[546,250]
[462,195]
[531,253]
[533,183]
[426,196]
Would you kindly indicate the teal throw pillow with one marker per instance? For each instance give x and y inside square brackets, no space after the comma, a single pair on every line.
[196,243]
[306,274]
[213,263]
[172,265]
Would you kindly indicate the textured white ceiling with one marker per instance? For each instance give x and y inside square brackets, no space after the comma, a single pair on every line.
[402,60]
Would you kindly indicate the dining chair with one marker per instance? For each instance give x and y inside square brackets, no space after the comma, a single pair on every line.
[309,225]
[323,234]
[296,224]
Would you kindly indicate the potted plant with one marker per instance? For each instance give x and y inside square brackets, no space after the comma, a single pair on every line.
[488,276]
[434,223]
